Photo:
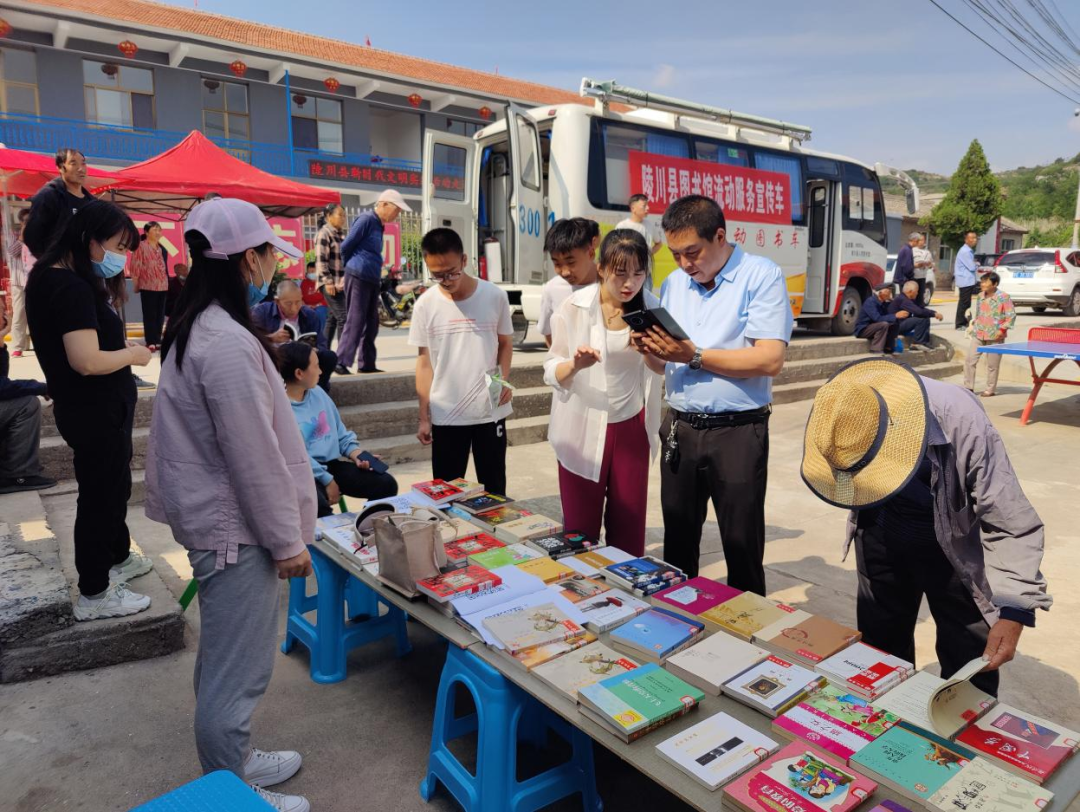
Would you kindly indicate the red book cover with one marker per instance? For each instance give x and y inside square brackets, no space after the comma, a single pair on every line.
[1026,744]
[438,490]
[460,549]
[459,582]
[800,778]
[698,595]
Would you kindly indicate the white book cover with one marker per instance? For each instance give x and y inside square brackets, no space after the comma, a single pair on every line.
[530,627]
[610,609]
[865,670]
[985,787]
[715,660]
[717,750]
[573,671]
[772,685]
[515,584]
[548,594]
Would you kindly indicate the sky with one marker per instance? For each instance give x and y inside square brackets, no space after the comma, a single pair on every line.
[894,81]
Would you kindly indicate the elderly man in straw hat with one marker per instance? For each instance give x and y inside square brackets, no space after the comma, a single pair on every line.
[936,510]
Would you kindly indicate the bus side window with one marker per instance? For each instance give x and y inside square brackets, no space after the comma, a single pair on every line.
[721,153]
[618,140]
[791,166]
[863,206]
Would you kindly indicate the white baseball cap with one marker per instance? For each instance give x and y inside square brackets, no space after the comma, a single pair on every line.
[232,226]
[394,196]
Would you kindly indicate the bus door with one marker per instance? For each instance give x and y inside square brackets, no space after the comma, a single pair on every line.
[450,187]
[527,209]
[820,197]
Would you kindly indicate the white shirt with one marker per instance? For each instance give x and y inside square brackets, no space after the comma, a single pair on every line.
[580,412]
[641,228]
[623,373]
[921,255]
[463,340]
[555,291]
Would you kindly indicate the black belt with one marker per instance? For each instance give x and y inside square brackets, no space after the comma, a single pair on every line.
[712,421]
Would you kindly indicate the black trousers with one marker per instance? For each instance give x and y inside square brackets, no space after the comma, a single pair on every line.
[918,327]
[893,578]
[335,315]
[881,335]
[327,362]
[450,446]
[728,465]
[153,313]
[353,481]
[922,292]
[964,304]
[100,437]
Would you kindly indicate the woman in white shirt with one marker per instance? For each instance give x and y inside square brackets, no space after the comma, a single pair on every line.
[605,416]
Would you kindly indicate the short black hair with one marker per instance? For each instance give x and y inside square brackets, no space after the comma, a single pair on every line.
[441,241]
[697,212]
[635,198]
[293,356]
[64,153]
[571,233]
[971,231]
[311,264]
[993,277]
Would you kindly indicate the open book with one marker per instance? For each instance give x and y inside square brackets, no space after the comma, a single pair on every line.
[944,707]
[296,335]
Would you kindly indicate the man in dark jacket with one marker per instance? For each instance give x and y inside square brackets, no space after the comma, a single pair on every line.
[56,201]
[876,323]
[20,428]
[905,262]
[917,324]
[286,318]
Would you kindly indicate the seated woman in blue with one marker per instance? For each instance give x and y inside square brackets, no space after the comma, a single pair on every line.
[332,448]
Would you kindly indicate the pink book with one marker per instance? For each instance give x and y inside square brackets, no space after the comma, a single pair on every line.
[696,595]
[800,778]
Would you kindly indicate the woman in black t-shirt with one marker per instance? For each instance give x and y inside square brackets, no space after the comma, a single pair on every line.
[83,351]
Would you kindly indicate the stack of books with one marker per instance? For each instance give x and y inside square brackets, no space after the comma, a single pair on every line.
[514,585]
[504,514]
[610,609]
[546,570]
[913,762]
[531,627]
[865,671]
[942,707]
[468,488]
[480,502]
[522,530]
[833,720]
[695,597]
[503,556]
[578,588]
[1023,744]
[748,615]
[592,563]
[637,702]
[591,663]
[442,588]
[717,659]
[534,657]
[437,491]
[459,550]
[565,543]
[809,641]
[772,686]
[656,635]
[717,750]
[644,576]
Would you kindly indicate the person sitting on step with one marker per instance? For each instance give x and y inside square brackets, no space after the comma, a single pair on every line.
[917,324]
[876,323]
[20,428]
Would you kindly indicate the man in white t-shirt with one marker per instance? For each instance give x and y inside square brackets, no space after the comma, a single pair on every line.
[461,327]
[571,244]
[924,261]
[639,210]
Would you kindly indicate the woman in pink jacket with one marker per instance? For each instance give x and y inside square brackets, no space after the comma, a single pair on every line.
[227,469]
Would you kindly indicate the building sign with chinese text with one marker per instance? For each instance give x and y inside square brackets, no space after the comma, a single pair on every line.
[361,173]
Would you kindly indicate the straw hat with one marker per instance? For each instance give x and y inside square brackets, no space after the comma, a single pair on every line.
[866,434]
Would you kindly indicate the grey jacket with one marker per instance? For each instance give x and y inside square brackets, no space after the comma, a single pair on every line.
[984,522]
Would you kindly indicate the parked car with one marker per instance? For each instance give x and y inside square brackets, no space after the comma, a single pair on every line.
[1042,277]
[988,261]
[931,279]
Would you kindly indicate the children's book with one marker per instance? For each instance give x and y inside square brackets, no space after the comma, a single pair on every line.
[1024,744]
[459,550]
[913,762]
[632,704]
[545,569]
[656,634]
[478,503]
[591,663]
[809,641]
[437,490]
[525,528]
[530,627]
[610,609]
[456,582]
[773,685]
[834,720]
[695,596]
[982,786]
[865,670]
[717,750]
[749,613]
[592,563]
[502,515]
[944,707]
[577,588]
[503,556]
[798,778]
[715,660]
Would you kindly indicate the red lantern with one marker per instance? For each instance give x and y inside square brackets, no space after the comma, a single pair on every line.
[128,48]
[238,68]
[415,99]
[299,99]
[332,84]
[485,112]
[5,28]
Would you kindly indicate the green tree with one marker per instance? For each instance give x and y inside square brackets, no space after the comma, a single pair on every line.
[972,202]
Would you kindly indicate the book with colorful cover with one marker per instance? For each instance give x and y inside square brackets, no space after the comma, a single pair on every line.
[632,704]
[478,503]
[591,663]
[913,762]
[564,543]
[1024,744]
[798,778]
[545,569]
[437,490]
[591,564]
[810,641]
[501,515]
[717,750]
[467,487]
[773,685]
[525,528]
[456,582]
[503,556]
[715,660]
[577,588]
[657,634]
[984,787]
[696,596]
[532,658]
[459,550]
[530,627]
[747,614]
[944,707]
[836,721]
[865,670]
[638,572]
[515,585]
[611,609]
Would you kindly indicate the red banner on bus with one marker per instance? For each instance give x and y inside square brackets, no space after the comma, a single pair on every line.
[747,195]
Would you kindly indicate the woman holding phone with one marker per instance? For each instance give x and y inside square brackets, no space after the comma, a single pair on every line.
[605,416]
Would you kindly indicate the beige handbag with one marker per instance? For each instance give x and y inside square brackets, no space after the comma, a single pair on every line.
[410,548]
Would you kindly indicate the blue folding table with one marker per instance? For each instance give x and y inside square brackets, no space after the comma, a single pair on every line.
[1056,343]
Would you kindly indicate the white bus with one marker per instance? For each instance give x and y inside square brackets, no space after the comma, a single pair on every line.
[819,216]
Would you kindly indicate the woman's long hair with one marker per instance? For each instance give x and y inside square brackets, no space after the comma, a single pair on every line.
[211,281]
[621,250]
[100,221]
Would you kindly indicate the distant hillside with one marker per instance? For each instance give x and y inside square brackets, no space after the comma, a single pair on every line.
[928,183]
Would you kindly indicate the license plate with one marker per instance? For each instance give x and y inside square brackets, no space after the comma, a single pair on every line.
[1022,275]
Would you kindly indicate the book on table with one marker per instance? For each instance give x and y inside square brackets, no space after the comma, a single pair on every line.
[479,502]
[864,670]
[610,609]
[715,660]
[437,490]
[749,613]
[500,515]
[564,543]
[642,573]
[717,750]
[533,626]
[546,570]
[890,806]
[521,530]
[577,588]
[1020,742]
[442,588]
[656,634]
[468,488]
[514,585]
[943,707]
[474,621]
[809,641]
[911,761]
[696,596]
[584,666]
[459,550]
[592,563]
[503,556]
[983,786]
[639,701]
[534,657]
[834,720]
[799,778]
[773,685]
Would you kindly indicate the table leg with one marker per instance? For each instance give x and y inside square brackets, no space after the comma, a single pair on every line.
[1038,380]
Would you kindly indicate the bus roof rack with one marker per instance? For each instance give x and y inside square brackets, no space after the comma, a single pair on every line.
[607,92]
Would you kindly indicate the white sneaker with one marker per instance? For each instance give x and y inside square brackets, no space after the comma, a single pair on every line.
[135,565]
[283,803]
[267,768]
[116,601]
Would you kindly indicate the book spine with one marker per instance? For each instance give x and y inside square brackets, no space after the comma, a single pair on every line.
[644,731]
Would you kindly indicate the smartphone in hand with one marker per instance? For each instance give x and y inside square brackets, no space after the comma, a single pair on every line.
[374,463]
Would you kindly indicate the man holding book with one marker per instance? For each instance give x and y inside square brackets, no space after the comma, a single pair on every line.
[287,318]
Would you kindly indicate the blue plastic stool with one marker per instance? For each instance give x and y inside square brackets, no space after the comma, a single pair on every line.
[219,791]
[502,712]
[330,638]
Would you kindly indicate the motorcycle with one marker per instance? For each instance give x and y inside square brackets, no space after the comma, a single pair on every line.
[396,297]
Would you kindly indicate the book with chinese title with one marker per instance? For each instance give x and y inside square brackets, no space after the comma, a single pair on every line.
[773,685]
[715,660]
[809,641]
[747,614]
[913,762]
[437,490]
[637,702]
[530,627]
[798,778]
[592,663]
[717,750]
[984,787]
[1024,744]
[459,550]
[657,634]
[865,670]
[836,721]
[442,588]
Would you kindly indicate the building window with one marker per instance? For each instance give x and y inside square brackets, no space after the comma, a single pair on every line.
[225,109]
[1008,245]
[18,81]
[316,123]
[118,95]
[467,128]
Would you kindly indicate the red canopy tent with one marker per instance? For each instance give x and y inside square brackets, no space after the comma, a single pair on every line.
[23,173]
[180,177]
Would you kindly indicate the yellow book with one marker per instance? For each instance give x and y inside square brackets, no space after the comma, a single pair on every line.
[546,570]
[747,614]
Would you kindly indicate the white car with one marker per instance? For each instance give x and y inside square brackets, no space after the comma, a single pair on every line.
[1042,277]
[931,279]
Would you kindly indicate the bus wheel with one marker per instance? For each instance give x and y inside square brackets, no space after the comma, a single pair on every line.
[520,325]
[843,323]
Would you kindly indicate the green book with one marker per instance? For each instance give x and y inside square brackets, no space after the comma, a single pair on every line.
[634,703]
[509,555]
[911,761]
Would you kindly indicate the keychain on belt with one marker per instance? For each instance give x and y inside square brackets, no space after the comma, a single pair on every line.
[671,449]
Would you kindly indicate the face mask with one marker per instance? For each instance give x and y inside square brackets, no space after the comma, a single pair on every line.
[311,276]
[257,293]
[111,265]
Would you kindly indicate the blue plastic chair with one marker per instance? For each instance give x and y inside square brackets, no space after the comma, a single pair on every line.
[330,638]
[219,791]
[503,713]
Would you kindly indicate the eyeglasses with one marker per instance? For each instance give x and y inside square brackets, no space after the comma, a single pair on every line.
[450,276]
